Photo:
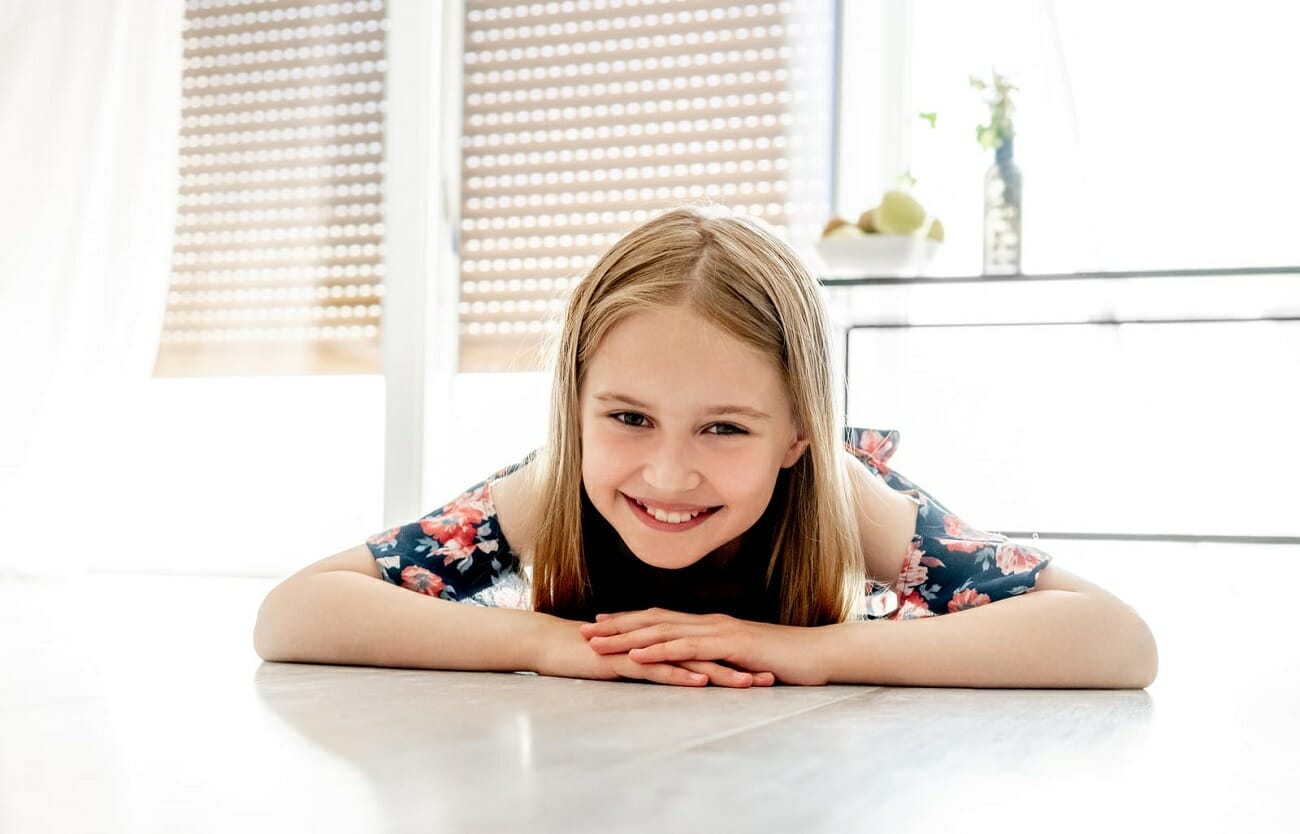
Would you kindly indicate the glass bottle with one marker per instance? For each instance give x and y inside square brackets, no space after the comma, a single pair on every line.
[1002,200]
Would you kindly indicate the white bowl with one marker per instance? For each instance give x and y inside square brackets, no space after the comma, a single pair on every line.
[876,255]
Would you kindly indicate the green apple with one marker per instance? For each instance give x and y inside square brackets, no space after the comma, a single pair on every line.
[899,214]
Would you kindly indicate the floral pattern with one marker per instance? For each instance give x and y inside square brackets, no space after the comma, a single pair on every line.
[458,552]
[949,565]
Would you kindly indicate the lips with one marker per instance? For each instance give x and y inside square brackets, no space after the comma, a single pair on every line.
[671,508]
[669,526]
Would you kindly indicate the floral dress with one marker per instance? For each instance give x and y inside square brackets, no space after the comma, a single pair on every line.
[458,552]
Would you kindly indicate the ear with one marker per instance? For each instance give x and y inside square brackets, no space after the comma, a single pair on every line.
[795,452]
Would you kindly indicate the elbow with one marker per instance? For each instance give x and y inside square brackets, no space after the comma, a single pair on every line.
[265,630]
[1144,662]
[1150,665]
[262,644]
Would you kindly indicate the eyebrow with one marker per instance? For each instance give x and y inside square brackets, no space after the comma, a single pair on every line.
[741,410]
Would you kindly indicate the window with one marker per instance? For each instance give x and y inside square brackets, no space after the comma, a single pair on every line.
[278,260]
[585,118]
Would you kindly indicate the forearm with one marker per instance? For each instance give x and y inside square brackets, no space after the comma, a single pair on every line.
[346,618]
[1043,639]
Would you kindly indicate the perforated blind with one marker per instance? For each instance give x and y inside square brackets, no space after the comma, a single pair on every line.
[278,260]
[584,118]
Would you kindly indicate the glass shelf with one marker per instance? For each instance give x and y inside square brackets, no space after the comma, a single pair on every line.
[869,280]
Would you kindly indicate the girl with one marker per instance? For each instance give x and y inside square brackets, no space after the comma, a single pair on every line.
[698,518]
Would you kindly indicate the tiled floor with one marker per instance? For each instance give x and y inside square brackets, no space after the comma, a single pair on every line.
[136,704]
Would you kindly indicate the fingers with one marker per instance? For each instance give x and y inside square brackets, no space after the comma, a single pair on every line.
[608,624]
[668,673]
[693,673]
[680,649]
[720,675]
[642,637]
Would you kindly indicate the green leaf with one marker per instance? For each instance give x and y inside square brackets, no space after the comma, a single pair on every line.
[929,117]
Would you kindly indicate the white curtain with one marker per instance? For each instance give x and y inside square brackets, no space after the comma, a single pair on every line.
[90,102]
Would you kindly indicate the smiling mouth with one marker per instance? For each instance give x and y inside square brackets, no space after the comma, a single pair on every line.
[679,518]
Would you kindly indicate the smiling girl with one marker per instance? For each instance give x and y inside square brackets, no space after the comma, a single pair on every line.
[698,517]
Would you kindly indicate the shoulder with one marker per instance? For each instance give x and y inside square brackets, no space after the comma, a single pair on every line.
[517,501]
[886,519]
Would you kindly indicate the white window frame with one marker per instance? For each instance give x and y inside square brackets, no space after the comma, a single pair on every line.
[421,188]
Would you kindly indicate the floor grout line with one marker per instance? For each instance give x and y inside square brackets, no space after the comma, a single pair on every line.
[682,748]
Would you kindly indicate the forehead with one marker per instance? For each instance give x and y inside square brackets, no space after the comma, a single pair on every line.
[675,357]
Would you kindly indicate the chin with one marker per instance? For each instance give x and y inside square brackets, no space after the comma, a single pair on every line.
[667,561]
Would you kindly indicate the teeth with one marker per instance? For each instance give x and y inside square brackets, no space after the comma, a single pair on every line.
[671,518]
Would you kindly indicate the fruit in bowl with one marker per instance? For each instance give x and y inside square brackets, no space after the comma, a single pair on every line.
[899,214]
[898,237]
[838,227]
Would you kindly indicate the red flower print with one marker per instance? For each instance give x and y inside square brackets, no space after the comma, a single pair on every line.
[914,607]
[1014,559]
[420,579]
[969,598]
[456,530]
[914,576]
[914,572]
[383,538]
[962,546]
[966,539]
[955,527]
[877,446]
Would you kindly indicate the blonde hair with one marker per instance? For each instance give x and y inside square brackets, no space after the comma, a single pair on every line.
[740,275]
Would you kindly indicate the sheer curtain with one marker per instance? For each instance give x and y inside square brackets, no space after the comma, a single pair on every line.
[89,122]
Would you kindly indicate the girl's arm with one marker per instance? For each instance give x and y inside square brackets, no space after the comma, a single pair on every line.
[1068,633]
[340,611]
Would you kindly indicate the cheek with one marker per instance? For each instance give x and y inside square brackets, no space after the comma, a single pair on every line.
[604,452]
[753,486]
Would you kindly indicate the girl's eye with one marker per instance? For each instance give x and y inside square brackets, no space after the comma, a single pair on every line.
[621,414]
[730,429]
[632,418]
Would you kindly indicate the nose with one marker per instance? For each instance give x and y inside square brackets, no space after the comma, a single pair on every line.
[669,469]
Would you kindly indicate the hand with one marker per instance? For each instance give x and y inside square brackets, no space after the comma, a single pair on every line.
[565,652]
[655,636]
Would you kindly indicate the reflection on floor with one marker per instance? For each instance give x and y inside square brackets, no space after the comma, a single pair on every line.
[135,703]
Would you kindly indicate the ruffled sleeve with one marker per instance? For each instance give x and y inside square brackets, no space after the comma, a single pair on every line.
[949,565]
[457,552]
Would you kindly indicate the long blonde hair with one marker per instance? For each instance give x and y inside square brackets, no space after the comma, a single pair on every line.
[737,273]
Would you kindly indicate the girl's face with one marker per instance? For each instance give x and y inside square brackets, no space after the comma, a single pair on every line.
[683,418]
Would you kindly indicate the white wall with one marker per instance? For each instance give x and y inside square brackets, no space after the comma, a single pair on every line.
[256,476]
[1141,428]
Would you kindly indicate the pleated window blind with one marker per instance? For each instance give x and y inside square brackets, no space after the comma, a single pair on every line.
[584,118]
[278,257]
